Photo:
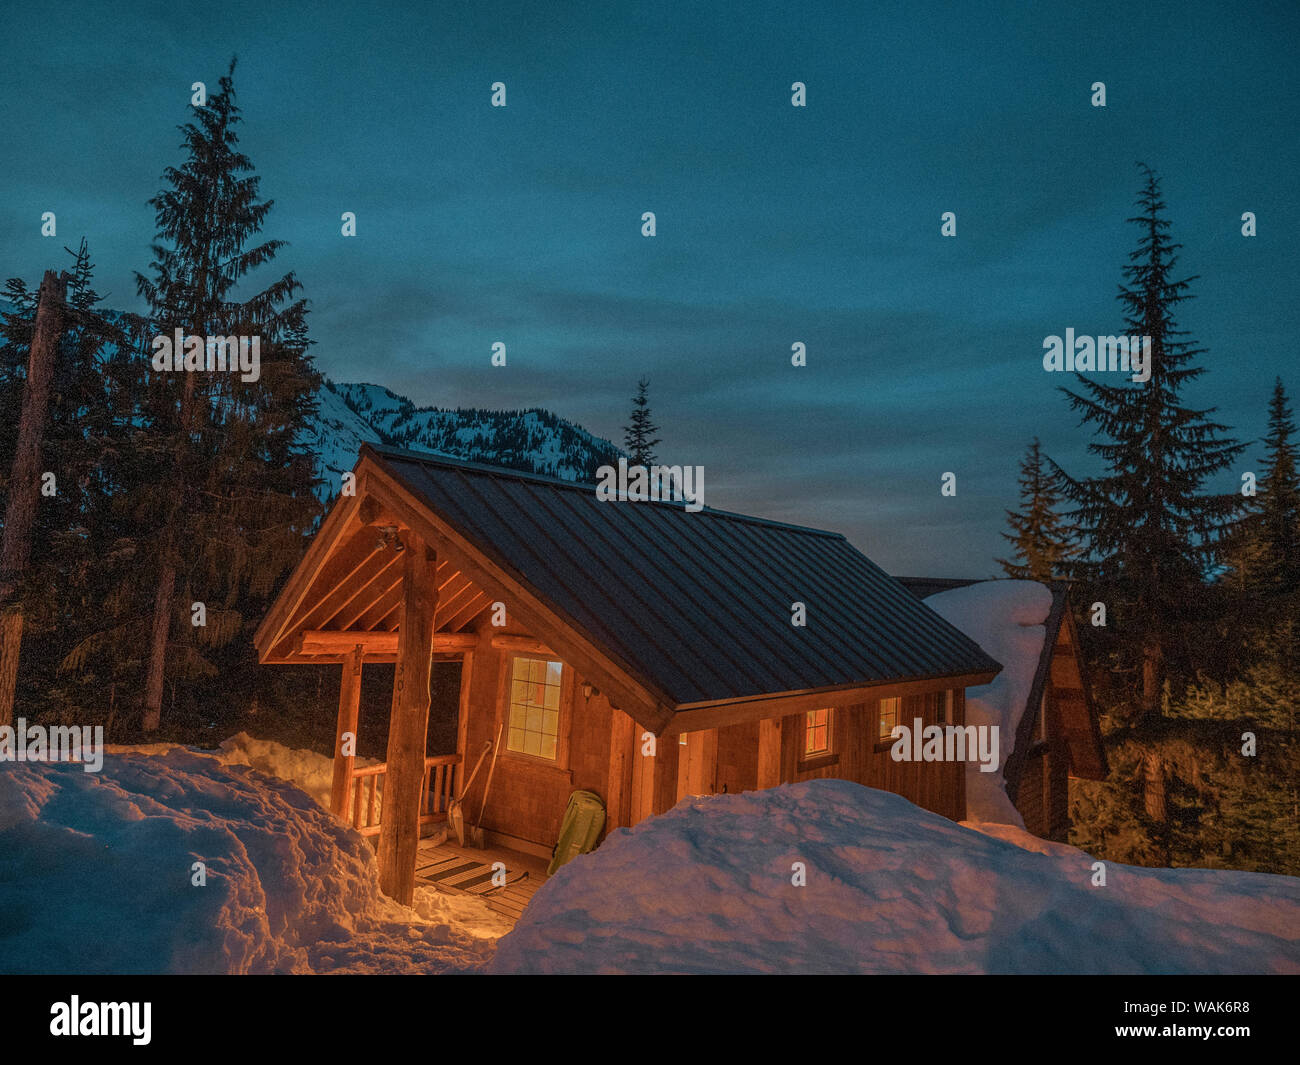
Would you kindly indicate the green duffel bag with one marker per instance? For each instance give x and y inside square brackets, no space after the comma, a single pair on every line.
[584,817]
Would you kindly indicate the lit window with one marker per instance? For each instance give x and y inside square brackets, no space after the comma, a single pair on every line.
[534,726]
[889,712]
[817,732]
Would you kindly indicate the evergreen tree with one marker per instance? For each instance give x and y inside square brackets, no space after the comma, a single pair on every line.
[1042,539]
[1279,497]
[230,492]
[1150,531]
[67,595]
[1264,556]
[638,438]
[1267,556]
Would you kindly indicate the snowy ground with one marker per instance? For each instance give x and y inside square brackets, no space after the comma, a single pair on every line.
[96,874]
[891,888]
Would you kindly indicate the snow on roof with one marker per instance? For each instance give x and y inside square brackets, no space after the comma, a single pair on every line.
[890,888]
[1008,620]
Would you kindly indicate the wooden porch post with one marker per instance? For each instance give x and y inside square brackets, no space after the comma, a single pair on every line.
[399,823]
[654,777]
[769,752]
[697,769]
[622,749]
[349,710]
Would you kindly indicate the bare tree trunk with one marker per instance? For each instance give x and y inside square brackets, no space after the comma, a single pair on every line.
[1154,799]
[162,616]
[1153,679]
[1153,785]
[165,591]
[24,487]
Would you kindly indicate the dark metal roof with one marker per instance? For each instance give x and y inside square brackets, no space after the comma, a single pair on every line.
[924,587]
[697,603]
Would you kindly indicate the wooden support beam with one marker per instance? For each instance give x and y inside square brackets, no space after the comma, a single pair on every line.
[523,644]
[399,826]
[349,710]
[697,763]
[769,752]
[462,717]
[622,750]
[465,613]
[354,587]
[338,525]
[372,512]
[654,777]
[332,643]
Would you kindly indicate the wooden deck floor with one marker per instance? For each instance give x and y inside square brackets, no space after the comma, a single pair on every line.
[508,901]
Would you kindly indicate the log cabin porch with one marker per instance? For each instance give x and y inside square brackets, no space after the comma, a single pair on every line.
[635,651]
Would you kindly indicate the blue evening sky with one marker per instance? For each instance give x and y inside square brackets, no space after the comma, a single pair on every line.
[775,224]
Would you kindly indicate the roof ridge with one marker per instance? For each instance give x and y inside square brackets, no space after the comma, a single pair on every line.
[436,459]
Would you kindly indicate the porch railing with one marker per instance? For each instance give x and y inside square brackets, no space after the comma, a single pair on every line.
[441,776]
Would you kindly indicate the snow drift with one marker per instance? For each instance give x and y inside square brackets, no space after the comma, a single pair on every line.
[96,871]
[891,888]
[312,772]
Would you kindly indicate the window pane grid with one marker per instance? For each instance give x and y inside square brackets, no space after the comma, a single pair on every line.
[889,711]
[817,732]
[534,712]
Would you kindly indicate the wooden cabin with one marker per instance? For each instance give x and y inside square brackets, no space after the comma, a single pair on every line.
[1059,735]
[633,649]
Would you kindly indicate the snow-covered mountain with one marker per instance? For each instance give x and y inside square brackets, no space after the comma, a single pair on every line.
[534,440]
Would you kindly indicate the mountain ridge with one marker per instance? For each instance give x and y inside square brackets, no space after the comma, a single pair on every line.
[533,440]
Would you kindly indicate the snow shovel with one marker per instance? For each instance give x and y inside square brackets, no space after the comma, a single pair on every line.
[476,833]
[454,816]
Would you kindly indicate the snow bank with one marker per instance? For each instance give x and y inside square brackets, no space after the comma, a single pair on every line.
[312,772]
[1008,620]
[891,888]
[96,869]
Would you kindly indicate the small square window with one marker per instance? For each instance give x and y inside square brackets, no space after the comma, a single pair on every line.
[890,710]
[817,733]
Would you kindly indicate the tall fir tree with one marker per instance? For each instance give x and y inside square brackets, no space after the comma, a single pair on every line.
[1150,531]
[638,438]
[1044,541]
[1273,518]
[231,495]
[1280,510]
[1264,557]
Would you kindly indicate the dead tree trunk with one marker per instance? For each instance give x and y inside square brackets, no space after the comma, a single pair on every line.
[165,590]
[24,482]
[162,618]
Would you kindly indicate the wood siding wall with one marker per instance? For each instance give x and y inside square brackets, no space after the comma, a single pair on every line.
[528,795]
[601,752]
[936,786]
